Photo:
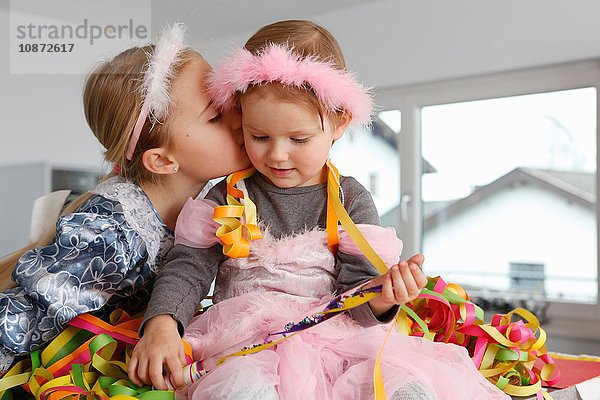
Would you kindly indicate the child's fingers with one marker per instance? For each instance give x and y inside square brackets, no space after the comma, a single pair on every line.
[400,293]
[132,371]
[387,289]
[175,368]
[416,263]
[142,371]
[418,276]
[418,259]
[155,372]
[412,288]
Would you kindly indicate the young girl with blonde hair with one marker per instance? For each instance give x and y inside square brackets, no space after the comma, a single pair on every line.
[296,98]
[149,109]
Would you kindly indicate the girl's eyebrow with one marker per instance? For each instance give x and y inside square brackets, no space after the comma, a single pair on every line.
[306,131]
[245,125]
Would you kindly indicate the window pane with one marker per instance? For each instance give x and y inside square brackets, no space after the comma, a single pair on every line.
[391,118]
[371,156]
[512,204]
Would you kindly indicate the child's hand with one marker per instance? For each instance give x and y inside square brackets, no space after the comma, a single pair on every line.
[401,284]
[161,344]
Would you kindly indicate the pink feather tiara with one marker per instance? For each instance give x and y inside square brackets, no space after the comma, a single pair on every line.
[336,90]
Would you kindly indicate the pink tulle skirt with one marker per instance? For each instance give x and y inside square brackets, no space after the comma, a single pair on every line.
[334,360]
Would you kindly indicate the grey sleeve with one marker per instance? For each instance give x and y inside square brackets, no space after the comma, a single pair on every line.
[185,278]
[356,269]
[182,283]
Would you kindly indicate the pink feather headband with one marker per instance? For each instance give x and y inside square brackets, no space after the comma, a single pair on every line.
[155,88]
[336,90]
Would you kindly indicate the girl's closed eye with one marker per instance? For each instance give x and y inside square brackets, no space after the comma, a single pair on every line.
[301,140]
[216,118]
[258,138]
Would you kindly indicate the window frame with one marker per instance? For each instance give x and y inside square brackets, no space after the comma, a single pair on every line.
[569,319]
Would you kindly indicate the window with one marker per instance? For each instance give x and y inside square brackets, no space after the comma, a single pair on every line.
[392,118]
[515,180]
[548,139]
[370,154]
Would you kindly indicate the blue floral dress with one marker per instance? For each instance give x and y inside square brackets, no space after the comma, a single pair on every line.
[103,256]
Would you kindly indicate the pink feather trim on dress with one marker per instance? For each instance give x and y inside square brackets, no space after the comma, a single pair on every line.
[196,228]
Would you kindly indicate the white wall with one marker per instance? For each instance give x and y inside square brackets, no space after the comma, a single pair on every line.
[42,117]
[387,43]
[16,208]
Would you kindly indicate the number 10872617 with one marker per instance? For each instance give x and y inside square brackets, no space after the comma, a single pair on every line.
[46,47]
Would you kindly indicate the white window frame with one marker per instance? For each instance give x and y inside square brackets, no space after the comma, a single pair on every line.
[568,319]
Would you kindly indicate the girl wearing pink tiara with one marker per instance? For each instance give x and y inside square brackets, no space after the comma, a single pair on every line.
[296,98]
[149,108]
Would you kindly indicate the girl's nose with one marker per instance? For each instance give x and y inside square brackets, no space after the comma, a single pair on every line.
[278,153]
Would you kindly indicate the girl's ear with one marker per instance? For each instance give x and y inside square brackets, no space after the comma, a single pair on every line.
[341,123]
[159,161]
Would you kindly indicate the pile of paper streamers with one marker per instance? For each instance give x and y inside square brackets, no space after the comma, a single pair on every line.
[510,354]
[88,360]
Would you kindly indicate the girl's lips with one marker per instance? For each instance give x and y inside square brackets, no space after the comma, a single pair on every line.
[280,172]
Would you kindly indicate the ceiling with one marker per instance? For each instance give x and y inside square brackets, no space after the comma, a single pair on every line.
[209,19]
[387,43]
[217,19]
